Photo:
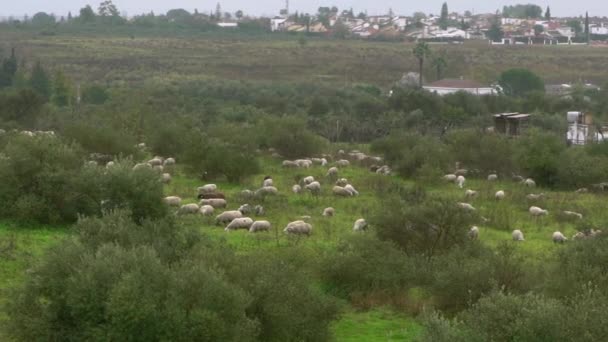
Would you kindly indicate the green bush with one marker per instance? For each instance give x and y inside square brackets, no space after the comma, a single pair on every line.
[290,137]
[537,155]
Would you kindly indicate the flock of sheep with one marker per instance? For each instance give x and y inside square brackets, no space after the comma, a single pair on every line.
[517,235]
[211,199]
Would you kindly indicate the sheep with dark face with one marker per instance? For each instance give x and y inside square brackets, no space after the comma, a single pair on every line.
[267,181]
[308,180]
[246,209]
[530,183]
[329,212]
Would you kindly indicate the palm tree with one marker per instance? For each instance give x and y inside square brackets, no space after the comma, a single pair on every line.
[440,64]
[421,51]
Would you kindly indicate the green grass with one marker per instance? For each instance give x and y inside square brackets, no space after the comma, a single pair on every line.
[376,325]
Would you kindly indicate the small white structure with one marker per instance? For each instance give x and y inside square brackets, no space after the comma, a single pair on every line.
[451,86]
[581,131]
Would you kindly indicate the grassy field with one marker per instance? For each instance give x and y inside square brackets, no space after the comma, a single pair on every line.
[21,246]
[124,59]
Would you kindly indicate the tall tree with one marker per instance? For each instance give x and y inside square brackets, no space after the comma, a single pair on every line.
[39,81]
[8,70]
[440,64]
[62,94]
[548,13]
[86,14]
[587,32]
[495,32]
[443,20]
[107,9]
[238,14]
[218,11]
[421,51]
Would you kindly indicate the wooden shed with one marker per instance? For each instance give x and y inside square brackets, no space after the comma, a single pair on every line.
[511,124]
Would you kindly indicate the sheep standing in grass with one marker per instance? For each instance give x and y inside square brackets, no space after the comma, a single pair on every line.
[450,178]
[239,223]
[228,216]
[500,195]
[342,182]
[351,189]
[342,163]
[314,188]
[207,189]
[206,210]
[166,178]
[141,166]
[267,182]
[298,228]
[460,181]
[530,183]
[492,177]
[296,189]
[537,212]
[573,214]
[340,191]
[265,191]
[466,206]
[246,209]
[157,161]
[214,202]
[534,197]
[329,212]
[470,194]
[517,235]
[473,233]
[187,209]
[260,226]
[259,210]
[332,172]
[173,201]
[360,225]
[558,237]
[169,162]
[308,180]
[290,164]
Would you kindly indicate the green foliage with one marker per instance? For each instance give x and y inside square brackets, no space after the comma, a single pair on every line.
[486,152]
[40,81]
[443,19]
[43,19]
[578,169]
[62,92]
[537,155]
[290,137]
[527,11]
[495,32]
[21,108]
[519,82]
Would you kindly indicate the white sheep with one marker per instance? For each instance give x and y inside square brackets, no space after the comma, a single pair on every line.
[267,190]
[323,162]
[166,178]
[110,165]
[239,223]
[246,209]
[342,163]
[470,193]
[191,208]
[332,172]
[461,172]
[582,191]
[492,177]
[259,210]
[289,163]
[329,212]
[450,177]
[247,193]
[206,210]
[517,235]
[499,195]
[340,191]
[384,170]
[259,226]
[304,163]
[214,202]
[351,189]
[534,197]
[296,189]
[158,168]
[169,162]
[267,182]
[473,233]
[141,166]
[558,237]
[536,211]
[207,189]
[298,228]
[308,180]
[530,183]
[228,216]
[573,214]
[156,161]
[173,201]
[314,188]
[460,181]
[466,206]
[360,225]
[342,182]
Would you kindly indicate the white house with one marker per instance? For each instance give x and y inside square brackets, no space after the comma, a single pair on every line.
[278,24]
[599,30]
[451,86]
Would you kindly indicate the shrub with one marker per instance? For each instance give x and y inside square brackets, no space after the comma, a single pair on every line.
[290,137]
[537,155]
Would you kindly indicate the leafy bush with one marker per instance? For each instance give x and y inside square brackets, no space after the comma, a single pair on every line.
[537,155]
[519,82]
[290,137]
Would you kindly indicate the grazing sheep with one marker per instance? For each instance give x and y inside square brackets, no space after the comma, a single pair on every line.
[206,210]
[342,182]
[470,194]
[228,216]
[212,195]
[460,181]
[573,214]
[246,209]
[260,226]
[351,189]
[308,180]
[582,191]
[247,194]
[155,162]
[314,188]
[239,223]
[492,177]
[207,189]
[536,211]
[304,163]
[214,202]
[517,235]
[169,162]
[530,183]
[173,201]
[466,206]
[360,225]
[289,163]
[332,172]
[342,163]
[450,178]
[329,212]
[191,208]
[110,164]
[296,189]
[298,228]
[473,233]
[558,237]
[340,191]
[535,197]
[517,178]
[259,210]
[141,166]
[267,182]
[267,190]
[384,170]
[499,195]
[158,168]
[323,162]
[166,178]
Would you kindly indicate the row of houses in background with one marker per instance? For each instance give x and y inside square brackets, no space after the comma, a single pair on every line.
[464,27]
